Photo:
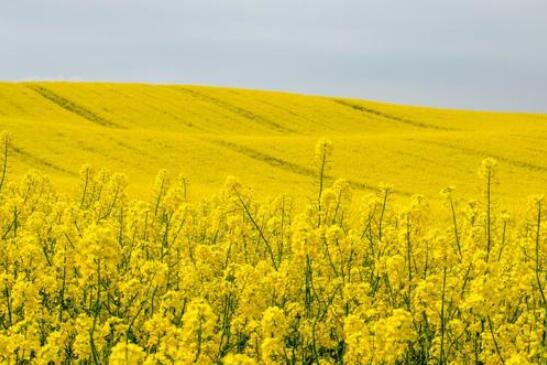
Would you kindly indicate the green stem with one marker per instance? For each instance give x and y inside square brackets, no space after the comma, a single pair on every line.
[321,183]
[4,165]
[488,213]
[441,360]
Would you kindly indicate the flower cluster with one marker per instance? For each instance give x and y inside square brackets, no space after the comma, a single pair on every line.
[98,277]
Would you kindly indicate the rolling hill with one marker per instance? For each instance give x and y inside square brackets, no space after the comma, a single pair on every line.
[264,138]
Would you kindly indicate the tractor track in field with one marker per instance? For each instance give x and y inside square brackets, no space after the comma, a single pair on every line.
[483,154]
[247,114]
[26,156]
[287,111]
[395,118]
[153,106]
[290,166]
[72,107]
[129,147]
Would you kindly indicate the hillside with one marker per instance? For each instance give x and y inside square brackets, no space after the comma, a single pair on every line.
[266,139]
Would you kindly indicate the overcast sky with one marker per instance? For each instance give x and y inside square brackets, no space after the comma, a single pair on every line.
[483,54]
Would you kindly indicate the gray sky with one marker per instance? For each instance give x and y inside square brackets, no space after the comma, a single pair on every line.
[485,54]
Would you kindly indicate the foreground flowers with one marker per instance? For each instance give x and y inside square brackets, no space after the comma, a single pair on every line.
[99,278]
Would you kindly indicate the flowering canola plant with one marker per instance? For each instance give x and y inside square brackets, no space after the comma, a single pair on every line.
[100,278]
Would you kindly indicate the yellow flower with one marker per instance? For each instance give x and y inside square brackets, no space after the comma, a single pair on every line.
[273,323]
[238,359]
[127,354]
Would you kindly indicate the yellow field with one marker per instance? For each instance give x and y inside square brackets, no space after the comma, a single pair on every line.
[266,139]
[95,277]
[94,272]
